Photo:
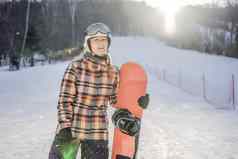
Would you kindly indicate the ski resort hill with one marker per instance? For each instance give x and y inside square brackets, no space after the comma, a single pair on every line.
[193,111]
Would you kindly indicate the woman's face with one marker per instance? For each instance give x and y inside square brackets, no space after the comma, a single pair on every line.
[99,45]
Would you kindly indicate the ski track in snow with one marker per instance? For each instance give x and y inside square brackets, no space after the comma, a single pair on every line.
[175,126]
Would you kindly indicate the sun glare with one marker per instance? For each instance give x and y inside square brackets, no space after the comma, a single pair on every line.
[169,9]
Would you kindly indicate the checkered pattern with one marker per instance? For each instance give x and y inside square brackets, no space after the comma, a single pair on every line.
[89,85]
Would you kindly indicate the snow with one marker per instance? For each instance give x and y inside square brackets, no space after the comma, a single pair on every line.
[177,124]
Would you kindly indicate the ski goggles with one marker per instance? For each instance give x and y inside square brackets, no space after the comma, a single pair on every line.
[97,28]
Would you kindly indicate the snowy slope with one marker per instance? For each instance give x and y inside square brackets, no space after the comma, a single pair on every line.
[177,125]
[182,67]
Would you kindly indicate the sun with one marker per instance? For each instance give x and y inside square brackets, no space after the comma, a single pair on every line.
[169,9]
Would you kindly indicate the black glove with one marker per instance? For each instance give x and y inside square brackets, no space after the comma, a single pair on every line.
[64,136]
[143,101]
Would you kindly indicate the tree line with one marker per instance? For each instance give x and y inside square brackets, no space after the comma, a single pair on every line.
[52,25]
[209,28]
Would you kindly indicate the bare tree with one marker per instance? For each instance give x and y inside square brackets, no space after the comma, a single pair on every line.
[26,26]
[73,5]
[232,6]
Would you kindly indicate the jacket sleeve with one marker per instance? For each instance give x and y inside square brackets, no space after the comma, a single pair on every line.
[67,96]
[113,97]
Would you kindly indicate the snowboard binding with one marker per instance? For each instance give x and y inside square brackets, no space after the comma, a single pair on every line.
[126,122]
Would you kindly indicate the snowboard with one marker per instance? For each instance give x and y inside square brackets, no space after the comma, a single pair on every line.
[132,85]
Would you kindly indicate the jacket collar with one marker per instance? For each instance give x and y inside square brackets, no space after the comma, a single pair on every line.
[104,60]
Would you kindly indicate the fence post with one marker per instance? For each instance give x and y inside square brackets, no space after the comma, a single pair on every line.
[233,92]
[157,74]
[204,87]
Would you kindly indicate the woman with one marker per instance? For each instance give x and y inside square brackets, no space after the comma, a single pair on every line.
[89,85]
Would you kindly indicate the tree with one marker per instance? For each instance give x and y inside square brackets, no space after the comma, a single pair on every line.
[232,8]
[26,25]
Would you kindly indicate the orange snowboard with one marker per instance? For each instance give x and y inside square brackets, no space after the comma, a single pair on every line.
[132,85]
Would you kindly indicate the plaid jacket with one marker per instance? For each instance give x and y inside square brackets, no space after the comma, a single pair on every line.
[89,85]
